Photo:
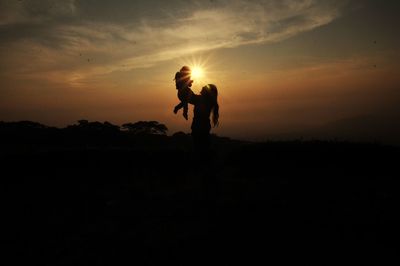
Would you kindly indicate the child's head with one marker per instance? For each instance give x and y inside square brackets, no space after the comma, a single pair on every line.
[182,78]
[185,74]
[186,70]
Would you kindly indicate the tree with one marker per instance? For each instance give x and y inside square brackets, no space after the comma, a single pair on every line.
[180,134]
[146,128]
[94,126]
[83,122]
[22,125]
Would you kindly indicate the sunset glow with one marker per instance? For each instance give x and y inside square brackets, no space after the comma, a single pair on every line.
[283,68]
[197,72]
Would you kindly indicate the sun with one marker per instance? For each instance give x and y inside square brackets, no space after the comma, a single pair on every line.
[200,69]
[197,72]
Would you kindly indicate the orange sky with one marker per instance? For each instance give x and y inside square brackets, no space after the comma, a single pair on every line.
[284,69]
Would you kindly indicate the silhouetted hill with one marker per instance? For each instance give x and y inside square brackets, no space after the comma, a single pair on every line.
[95,194]
[366,128]
[372,128]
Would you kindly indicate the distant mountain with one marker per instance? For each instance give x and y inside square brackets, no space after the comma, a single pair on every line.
[361,128]
[365,128]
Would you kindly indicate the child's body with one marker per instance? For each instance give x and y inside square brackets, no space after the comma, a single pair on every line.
[183,85]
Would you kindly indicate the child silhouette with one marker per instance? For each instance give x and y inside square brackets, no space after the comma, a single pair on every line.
[183,85]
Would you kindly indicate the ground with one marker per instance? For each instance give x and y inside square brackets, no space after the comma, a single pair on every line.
[303,202]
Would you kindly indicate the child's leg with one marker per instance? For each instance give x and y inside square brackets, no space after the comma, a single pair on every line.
[185,110]
[179,106]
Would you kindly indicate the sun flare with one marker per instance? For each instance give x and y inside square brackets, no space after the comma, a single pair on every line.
[201,67]
[197,72]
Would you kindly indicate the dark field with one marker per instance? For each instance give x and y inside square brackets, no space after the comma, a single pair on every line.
[111,198]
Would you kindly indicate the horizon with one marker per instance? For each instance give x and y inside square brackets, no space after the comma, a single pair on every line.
[288,137]
[293,69]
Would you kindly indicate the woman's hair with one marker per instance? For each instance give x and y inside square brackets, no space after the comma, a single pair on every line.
[211,92]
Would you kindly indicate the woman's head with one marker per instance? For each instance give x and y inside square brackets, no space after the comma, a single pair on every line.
[210,92]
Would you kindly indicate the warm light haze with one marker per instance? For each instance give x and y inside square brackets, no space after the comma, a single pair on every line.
[197,73]
[284,69]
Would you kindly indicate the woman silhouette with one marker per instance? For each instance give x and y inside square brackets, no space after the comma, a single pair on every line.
[205,104]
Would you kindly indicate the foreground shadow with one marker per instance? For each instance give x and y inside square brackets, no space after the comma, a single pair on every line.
[148,199]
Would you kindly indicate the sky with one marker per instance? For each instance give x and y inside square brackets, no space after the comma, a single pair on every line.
[284,68]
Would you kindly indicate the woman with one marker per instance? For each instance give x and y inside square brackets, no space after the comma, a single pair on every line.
[205,104]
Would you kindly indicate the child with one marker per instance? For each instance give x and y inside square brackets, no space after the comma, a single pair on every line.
[183,85]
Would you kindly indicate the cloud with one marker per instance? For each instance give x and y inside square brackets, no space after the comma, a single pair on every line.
[127,35]
[23,11]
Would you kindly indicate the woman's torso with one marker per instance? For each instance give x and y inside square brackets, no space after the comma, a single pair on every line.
[201,114]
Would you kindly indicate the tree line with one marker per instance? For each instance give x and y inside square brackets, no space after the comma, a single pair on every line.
[136,128]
